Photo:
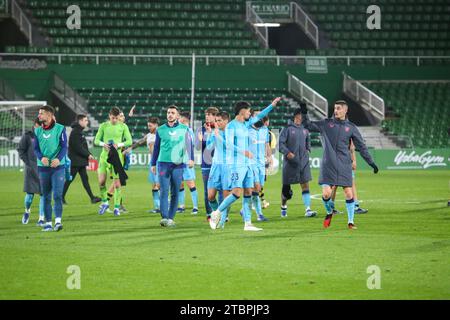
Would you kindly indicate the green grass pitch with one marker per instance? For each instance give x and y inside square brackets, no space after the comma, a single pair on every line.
[406,234]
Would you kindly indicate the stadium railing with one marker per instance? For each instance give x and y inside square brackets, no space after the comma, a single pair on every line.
[301,90]
[243,59]
[305,22]
[262,32]
[22,21]
[8,93]
[74,100]
[358,92]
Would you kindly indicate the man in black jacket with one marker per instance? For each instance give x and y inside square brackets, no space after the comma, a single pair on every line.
[79,155]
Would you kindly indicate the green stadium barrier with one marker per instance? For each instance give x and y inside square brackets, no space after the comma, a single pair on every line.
[410,159]
[404,159]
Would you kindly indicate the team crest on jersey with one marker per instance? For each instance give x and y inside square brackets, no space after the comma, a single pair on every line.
[305,132]
[347,129]
[46,136]
[331,125]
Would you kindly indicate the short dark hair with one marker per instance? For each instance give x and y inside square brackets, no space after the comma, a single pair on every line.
[212,110]
[115,111]
[241,105]
[154,120]
[81,117]
[298,111]
[265,119]
[224,115]
[341,102]
[185,114]
[172,106]
[48,109]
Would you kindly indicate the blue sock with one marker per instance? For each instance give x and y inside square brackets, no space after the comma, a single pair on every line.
[155,194]
[194,196]
[306,199]
[356,203]
[181,198]
[350,204]
[332,204]
[28,201]
[214,204]
[227,202]
[256,200]
[247,211]
[326,203]
[41,207]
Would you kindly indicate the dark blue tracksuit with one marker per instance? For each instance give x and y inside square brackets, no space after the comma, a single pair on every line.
[336,167]
[295,138]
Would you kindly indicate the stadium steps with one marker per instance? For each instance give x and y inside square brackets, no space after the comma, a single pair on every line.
[375,138]
[422,110]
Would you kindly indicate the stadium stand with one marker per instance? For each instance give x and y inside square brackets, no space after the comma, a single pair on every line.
[421,110]
[209,27]
[409,28]
[147,28]
[155,100]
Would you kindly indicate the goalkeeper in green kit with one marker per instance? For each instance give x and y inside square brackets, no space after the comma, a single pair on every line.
[111,134]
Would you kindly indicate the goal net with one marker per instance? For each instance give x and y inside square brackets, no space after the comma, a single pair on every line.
[16,117]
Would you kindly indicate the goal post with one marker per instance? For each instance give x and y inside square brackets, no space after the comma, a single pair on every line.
[16,117]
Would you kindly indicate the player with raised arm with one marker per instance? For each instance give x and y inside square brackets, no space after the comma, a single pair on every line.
[259,138]
[238,161]
[336,168]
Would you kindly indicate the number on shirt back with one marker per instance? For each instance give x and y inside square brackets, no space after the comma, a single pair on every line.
[234,176]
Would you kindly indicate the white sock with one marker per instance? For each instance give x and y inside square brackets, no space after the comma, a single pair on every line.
[57,220]
[27,210]
[308,208]
[41,217]
[48,223]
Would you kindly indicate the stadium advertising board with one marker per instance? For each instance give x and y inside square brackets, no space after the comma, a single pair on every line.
[412,159]
[316,65]
[272,9]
